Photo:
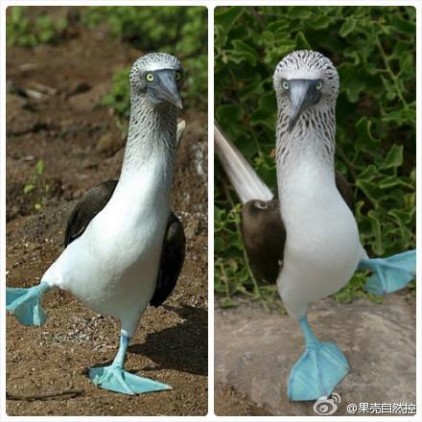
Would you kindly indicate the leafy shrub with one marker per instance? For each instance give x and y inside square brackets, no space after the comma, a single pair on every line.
[118,98]
[26,32]
[181,31]
[374,50]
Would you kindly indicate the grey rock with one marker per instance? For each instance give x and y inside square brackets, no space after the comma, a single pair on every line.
[255,350]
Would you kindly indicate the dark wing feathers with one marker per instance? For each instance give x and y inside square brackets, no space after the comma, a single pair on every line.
[87,208]
[263,235]
[172,258]
[173,252]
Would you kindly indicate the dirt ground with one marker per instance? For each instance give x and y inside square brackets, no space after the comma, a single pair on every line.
[54,115]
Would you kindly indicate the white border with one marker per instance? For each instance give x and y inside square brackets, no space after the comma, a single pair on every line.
[211,4]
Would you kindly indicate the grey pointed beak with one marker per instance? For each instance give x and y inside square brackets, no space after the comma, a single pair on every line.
[166,89]
[302,94]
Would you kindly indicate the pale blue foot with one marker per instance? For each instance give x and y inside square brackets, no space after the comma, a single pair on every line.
[115,378]
[320,368]
[118,380]
[25,304]
[390,274]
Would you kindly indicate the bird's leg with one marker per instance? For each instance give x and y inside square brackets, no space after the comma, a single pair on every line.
[320,368]
[119,360]
[390,274]
[25,304]
[115,378]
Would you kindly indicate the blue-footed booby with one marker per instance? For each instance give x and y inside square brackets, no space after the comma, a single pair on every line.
[124,248]
[313,248]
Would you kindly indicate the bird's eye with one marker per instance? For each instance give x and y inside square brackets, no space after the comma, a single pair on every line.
[178,76]
[318,86]
[149,77]
[285,85]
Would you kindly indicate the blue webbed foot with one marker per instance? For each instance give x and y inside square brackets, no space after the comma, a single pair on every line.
[25,304]
[320,368]
[115,378]
[118,380]
[390,274]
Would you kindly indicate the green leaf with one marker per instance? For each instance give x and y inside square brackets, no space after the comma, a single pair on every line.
[265,112]
[300,12]
[365,140]
[243,51]
[227,16]
[348,27]
[402,25]
[229,113]
[394,157]
[301,41]
[378,246]
[28,188]
[39,167]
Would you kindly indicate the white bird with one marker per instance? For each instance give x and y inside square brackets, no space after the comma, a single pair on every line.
[322,248]
[314,235]
[113,265]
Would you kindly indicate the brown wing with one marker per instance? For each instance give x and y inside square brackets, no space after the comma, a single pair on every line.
[172,258]
[264,234]
[87,208]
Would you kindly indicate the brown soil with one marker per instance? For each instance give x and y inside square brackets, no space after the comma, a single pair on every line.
[54,115]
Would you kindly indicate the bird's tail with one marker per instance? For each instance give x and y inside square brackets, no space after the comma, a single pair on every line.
[247,184]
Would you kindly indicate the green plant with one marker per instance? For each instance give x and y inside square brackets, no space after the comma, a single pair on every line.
[374,50]
[181,31]
[24,31]
[118,97]
[39,185]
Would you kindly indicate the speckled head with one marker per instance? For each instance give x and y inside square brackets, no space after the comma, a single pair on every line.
[157,77]
[156,61]
[304,79]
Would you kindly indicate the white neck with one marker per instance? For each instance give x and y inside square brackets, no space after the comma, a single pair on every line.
[147,170]
[307,151]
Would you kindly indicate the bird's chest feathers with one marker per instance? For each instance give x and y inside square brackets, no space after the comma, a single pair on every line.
[130,229]
[315,215]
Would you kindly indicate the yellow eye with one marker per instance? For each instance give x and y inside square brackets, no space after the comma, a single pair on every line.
[178,76]
[318,86]
[285,85]
[149,77]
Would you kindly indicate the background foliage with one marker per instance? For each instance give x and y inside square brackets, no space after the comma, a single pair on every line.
[26,32]
[374,51]
[181,31]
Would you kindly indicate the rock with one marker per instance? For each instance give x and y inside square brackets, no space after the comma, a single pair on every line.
[255,350]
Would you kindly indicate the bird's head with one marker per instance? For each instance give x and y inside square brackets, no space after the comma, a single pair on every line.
[305,79]
[158,78]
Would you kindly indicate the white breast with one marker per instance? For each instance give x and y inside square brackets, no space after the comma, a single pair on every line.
[113,266]
[322,247]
